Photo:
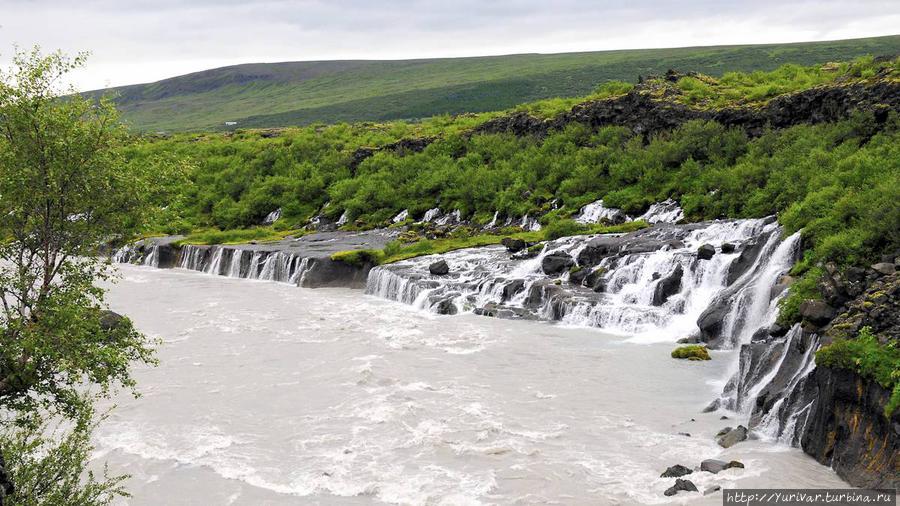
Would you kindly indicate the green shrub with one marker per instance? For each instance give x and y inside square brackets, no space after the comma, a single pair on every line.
[360,257]
[691,352]
[804,288]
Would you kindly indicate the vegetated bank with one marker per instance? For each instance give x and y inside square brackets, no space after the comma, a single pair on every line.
[817,146]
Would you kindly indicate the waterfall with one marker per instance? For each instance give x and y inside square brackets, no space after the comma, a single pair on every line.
[595,212]
[272,217]
[431,215]
[488,277]
[493,221]
[401,216]
[667,211]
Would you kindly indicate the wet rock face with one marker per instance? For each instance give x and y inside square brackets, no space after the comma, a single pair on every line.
[439,268]
[849,432]
[706,252]
[668,286]
[557,263]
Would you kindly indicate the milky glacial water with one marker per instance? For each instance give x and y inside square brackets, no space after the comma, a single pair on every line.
[271,394]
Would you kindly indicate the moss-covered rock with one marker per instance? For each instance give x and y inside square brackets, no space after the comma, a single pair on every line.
[691,352]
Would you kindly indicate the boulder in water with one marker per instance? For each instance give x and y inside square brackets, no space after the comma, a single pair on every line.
[676,471]
[446,307]
[439,268]
[667,286]
[712,490]
[706,252]
[110,320]
[556,263]
[728,247]
[681,486]
[691,352]
[716,466]
[730,437]
[513,245]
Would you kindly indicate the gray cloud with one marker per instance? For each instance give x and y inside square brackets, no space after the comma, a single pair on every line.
[142,40]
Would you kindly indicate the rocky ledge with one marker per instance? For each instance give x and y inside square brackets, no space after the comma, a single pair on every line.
[304,261]
[649,108]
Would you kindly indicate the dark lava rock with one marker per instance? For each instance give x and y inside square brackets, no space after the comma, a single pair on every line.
[706,252]
[848,430]
[884,268]
[681,486]
[777,330]
[667,286]
[446,307]
[728,247]
[745,260]
[513,245]
[716,466]
[816,312]
[731,437]
[557,262]
[512,288]
[439,268]
[577,276]
[689,340]
[676,471]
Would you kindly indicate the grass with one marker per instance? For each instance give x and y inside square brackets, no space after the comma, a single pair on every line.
[238,236]
[691,352]
[271,95]
[866,356]
[397,251]
[748,88]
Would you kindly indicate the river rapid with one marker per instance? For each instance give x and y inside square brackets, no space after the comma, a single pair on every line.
[271,394]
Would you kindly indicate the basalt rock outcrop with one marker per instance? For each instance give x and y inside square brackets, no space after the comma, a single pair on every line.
[649,109]
[835,415]
[400,147]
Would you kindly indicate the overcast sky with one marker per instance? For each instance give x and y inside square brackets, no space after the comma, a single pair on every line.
[133,41]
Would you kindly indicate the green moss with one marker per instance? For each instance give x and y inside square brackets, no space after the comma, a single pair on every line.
[866,356]
[359,257]
[238,236]
[691,352]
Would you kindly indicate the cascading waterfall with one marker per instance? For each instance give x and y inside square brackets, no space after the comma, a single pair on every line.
[488,276]
[279,266]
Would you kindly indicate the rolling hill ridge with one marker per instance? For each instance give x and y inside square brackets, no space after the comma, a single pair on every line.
[300,93]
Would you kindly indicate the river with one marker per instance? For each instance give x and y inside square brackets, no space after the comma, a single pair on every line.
[271,394]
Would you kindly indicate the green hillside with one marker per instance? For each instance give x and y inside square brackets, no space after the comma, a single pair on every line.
[299,93]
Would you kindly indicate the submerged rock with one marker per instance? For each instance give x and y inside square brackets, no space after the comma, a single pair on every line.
[513,245]
[681,486]
[715,466]
[706,252]
[729,437]
[676,471]
[439,268]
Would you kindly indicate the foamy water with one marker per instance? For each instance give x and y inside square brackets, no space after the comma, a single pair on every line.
[272,394]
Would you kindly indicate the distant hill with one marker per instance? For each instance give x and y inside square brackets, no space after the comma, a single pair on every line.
[299,93]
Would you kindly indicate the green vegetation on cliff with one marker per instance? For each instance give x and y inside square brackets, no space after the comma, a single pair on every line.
[869,358]
[264,95]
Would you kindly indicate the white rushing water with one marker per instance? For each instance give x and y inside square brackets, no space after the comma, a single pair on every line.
[271,394]
[480,276]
